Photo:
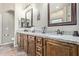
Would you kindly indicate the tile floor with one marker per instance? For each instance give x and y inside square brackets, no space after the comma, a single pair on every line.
[9,50]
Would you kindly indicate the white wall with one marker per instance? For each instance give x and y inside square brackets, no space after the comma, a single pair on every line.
[44,20]
[20,12]
[0,27]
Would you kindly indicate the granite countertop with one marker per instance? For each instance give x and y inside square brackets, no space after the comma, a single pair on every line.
[63,38]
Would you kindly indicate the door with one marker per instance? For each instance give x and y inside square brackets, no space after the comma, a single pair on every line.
[22,41]
[31,45]
[7,27]
[60,49]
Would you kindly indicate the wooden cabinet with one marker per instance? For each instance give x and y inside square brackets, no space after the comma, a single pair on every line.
[31,45]
[25,43]
[22,41]
[78,50]
[18,40]
[39,46]
[56,48]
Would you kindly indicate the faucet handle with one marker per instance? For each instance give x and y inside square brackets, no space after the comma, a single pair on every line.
[58,31]
[62,32]
[44,29]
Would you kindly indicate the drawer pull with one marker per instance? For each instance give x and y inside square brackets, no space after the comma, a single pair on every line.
[37,53]
[38,49]
[38,40]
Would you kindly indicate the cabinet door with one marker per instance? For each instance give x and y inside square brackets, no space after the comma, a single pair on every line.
[39,46]
[31,45]
[18,39]
[25,43]
[22,41]
[78,50]
[60,49]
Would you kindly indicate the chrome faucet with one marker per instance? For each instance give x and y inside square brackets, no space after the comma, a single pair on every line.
[59,31]
[44,29]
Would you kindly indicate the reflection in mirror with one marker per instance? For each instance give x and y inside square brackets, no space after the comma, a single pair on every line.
[29,18]
[61,13]
[22,22]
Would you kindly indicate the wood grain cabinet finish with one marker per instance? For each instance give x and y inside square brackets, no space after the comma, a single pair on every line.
[22,41]
[56,48]
[40,46]
[31,45]
[25,43]
[18,40]
[78,50]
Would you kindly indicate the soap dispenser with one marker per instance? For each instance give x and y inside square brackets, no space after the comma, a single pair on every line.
[75,33]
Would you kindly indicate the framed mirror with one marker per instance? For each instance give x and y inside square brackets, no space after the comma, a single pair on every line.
[60,14]
[29,18]
[22,22]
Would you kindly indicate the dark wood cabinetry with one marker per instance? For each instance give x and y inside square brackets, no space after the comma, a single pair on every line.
[25,43]
[31,45]
[39,46]
[56,48]
[78,50]
[22,41]
[18,40]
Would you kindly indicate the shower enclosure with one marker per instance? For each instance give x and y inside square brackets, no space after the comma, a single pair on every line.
[7,27]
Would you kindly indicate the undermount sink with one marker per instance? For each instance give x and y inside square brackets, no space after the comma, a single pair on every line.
[25,30]
[48,34]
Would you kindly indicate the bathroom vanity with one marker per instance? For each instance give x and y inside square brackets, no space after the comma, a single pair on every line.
[46,44]
[42,44]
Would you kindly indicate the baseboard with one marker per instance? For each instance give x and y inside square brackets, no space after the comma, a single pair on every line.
[7,43]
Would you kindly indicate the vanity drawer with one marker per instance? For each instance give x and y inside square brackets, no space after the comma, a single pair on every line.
[31,37]
[39,41]
[38,54]
[39,49]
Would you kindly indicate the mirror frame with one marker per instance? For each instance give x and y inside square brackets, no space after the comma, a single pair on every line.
[73,16]
[31,17]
